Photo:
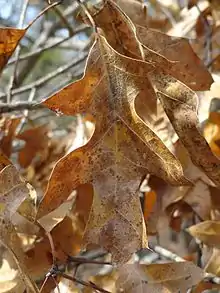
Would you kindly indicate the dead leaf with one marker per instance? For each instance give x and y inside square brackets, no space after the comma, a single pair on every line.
[208,232]
[149,202]
[36,142]
[4,161]
[10,281]
[167,278]
[9,39]
[203,286]
[187,67]
[117,26]
[153,46]
[8,130]
[180,105]
[10,241]
[104,159]
[197,197]
[211,132]
[213,264]
[13,190]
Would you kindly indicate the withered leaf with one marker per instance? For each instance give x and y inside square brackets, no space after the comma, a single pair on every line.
[158,278]
[212,266]
[36,141]
[165,55]
[135,10]
[153,46]
[117,27]
[211,132]
[12,193]
[186,67]
[9,39]
[8,129]
[11,241]
[121,149]
[196,196]
[13,190]
[208,232]
[4,161]
[180,105]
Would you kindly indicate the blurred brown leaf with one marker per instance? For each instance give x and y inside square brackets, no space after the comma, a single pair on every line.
[8,130]
[166,278]
[36,140]
[207,232]
[9,39]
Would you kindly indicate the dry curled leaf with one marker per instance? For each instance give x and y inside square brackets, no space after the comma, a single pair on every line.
[10,241]
[179,102]
[186,67]
[180,105]
[13,190]
[110,86]
[208,232]
[159,278]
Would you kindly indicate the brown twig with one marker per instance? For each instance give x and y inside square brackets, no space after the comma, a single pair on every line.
[17,52]
[87,284]
[83,260]
[42,13]
[88,15]
[64,20]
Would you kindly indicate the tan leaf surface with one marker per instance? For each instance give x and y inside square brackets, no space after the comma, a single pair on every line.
[135,10]
[8,129]
[36,141]
[9,39]
[10,240]
[213,265]
[117,27]
[203,286]
[13,190]
[211,132]
[4,161]
[180,105]
[10,281]
[110,86]
[187,67]
[153,46]
[158,278]
[207,232]
[197,197]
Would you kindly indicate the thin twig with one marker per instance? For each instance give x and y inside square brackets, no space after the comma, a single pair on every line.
[64,20]
[7,108]
[83,260]
[25,114]
[49,76]
[87,284]
[82,28]
[174,257]
[87,14]
[53,251]
[17,52]
[42,13]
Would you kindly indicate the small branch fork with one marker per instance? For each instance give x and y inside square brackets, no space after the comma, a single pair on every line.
[59,271]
